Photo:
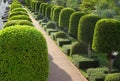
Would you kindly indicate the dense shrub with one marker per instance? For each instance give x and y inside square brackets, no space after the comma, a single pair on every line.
[61,34]
[39,17]
[18,22]
[15,5]
[18,9]
[41,7]
[83,62]
[17,13]
[20,17]
[23,54]
[106,37]
[62,41]
[51,25]
[44,9]
[37,6]
[96,74]
[64,17]
[78,48]
[34,4]
[51,14]
[113,77]
[117,61]
[56,13]
[73,23]
[48,11]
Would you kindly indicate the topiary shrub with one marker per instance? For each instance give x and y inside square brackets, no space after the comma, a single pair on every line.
[14,5]
[39,17]
[61,34]
[23,54]
[51,14]
[48,11]
[37,6]
[51,25]
[64,17]
[44,9]
[73,23]
[41,7]
[86,29]
[18,9]
[106,38]
[56,13]
[20,17]
[17,22]
[17,13]
[113,77]
[78,48]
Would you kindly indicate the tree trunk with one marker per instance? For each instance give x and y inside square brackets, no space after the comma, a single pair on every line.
[89,50]
[109,62]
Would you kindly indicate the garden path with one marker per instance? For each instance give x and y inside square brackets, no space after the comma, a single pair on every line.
[61,68]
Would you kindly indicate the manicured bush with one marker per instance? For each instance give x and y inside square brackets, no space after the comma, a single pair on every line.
[18,22]
[117,61]
[113,77]
[73,23]
[37,6]
[23,54]
[61,34]
[51,14]
[15,5]
[39,17]
[56,13]
[62,41]
[78,48]
[64,17]
[41,7]
[34,4]
[44,9]
[106,37]
[17,13]
[96,74]
[51,25]
[20,17]
[66,49]
[18,9]
[48,11]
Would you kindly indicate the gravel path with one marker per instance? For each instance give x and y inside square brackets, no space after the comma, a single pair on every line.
[61,69]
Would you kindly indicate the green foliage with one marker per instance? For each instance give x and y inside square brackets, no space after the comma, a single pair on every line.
[56,13]
[51,25]
[44,9]
[48,11]
[65,16]
[106,36]
[41,7]
[37,6]
[96,74]
[18,9]
[23,54]
[20,17]
[51,14]
[73,23]
[15,5]
[86,27]
[17,13]
[62,41]
[117,61]
[61,34]
[78,48]
[113,77]
[83,62]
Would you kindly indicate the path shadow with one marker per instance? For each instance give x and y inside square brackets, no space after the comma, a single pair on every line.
[56,73]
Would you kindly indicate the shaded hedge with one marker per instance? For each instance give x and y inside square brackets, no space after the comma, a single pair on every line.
[37,6]
[64,17]
[18,9]
[20,17]
[23,54]
[51,14]
[113,77]
[61,34]
[15,5]
[44,9]
[17,22]
[41,7]
[73,23]
[48,11]
[56,13]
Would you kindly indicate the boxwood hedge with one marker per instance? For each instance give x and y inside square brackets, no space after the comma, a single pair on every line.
[18,9]
[51,14]
[113,77]
[15,5]
[23,54]
[48,11]
[64,17]
[73,23]
[37,6]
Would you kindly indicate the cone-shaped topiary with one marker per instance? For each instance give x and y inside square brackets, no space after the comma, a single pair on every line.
[73,23]
[86,29]
[113,77]
[106,37]
[56,13]
[64,17]
[23,54]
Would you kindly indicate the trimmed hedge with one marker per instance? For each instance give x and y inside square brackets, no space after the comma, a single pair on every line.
[113,77]
[44,9]
[78,48]
[64,17]
[62,41]
[23,54]
[18,9]
[41,7]
[56,13]
[51,14]
[96,74]
[61,34]
[15,5]
[51,25]
[37,6]
[73,23]
[17,13]
[48,11]
[20,17]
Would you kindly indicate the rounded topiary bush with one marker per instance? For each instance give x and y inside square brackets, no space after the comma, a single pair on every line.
[64,17]
[20,17]
[14,5]
[10,23]
[37,6]
[73,23]
[61,34]
[56,13]
[17,13]
[44,9]
[113,77]
[18,9]
[48,11]
[78,48]
[51,25]
[23,54]
[51,14]
[40,8]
